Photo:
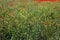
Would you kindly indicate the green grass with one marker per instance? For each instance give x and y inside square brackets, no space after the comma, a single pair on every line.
[29,20]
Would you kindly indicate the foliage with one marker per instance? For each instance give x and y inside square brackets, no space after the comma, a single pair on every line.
[29,20]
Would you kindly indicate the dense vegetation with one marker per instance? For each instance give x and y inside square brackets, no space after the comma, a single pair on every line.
[22,20]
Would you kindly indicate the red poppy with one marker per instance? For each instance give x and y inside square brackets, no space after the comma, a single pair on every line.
[45,0]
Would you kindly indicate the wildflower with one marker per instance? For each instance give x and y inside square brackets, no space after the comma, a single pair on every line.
[45,0]
[58,0]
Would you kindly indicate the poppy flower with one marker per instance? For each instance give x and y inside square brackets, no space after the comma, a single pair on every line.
[45,0]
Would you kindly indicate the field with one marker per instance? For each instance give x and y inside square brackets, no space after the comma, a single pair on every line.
[28,20]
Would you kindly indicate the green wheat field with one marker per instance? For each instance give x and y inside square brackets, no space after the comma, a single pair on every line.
[29,20]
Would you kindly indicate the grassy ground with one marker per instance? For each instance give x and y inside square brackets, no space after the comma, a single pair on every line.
[27,20]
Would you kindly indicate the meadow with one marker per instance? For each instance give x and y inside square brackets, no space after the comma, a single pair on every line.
[28,20]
